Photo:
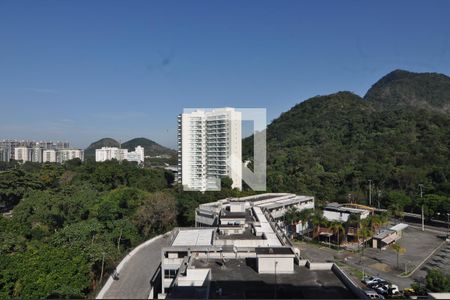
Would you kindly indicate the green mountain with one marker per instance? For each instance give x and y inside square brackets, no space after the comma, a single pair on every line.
[151,148]
[89,152]
[402,88]
[332,145]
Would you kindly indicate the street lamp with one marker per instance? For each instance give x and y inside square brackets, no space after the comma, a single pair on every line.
[275,294]
[448,223]
[421,197]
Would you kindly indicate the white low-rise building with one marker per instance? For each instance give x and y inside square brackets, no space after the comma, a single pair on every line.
[341,212]
[239,252]
[109,153]
[137,155]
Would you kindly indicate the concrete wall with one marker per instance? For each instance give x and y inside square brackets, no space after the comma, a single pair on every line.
[348,282]
[319,266]
[194,277]
[302,262]
[280,265]
[242,243]
[237,207]
[230,221]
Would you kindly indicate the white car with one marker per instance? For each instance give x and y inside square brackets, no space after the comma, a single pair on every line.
[386,289]
[368,280]
[393,289]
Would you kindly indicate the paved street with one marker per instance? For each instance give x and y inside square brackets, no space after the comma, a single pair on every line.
[136,273]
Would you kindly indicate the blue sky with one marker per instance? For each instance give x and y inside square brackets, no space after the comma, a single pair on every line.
[83,70]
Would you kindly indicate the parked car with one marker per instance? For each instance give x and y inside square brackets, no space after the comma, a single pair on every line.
[378,283]
[373,295]
[387,289]
[367,280]
[393,290]
[382,289]
[409,291]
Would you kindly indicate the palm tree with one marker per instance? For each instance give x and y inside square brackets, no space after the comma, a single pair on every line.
[317,219]
[384,218]
[364,231]
[290,217]
[305,216]
[353,221]
[375,223]
[337,227]
[399,249]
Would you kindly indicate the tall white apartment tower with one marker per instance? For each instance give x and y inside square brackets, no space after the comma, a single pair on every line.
[209,147]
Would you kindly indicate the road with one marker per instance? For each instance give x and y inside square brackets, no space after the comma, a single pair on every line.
[412,218]
[136,273]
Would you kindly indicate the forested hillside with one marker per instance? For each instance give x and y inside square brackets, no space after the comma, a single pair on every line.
[331,146]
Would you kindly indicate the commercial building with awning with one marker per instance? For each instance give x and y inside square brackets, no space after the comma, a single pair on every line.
[385,238]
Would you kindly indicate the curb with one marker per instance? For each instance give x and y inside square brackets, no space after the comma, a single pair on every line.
[119,267]
[424,261]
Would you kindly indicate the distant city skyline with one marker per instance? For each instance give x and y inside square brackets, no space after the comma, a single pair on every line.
[81,71]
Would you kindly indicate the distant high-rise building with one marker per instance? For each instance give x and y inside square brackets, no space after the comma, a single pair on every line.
[109,153]
[36,154]
[7,148]
[22,154]
[210,147]
[63,155]
[49,155]
[4,155]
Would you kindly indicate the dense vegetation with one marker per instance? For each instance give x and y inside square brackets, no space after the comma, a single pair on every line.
[401,89]
[66,218]
[331,146]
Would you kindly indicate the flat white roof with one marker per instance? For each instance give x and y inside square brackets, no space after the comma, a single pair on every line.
[399,227]
[265,228]
[194,237]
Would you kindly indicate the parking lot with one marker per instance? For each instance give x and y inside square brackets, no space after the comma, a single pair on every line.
[440,260]
[421,247]
[418,246]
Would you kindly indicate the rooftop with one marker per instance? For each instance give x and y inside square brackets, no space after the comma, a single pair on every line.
[245,235]
[399,227]
[334,206]
[383,234]
[238,279]
[194,237]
